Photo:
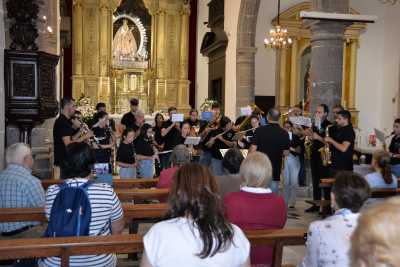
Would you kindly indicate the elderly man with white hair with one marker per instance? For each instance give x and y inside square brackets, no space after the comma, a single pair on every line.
[20,189]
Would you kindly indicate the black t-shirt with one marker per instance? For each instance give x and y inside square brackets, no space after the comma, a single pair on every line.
[129,120]
[316,145]
[272,140]
[394,148]
[218,144]
[343,161]
[157,135]
[296,142]
[126,153]
[103,137]
[172,139]
[62,127]
[143,146]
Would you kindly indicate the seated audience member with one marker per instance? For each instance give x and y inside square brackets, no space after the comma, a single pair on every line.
[256,206]
[20,189]
[179,157]
[107,214]
[375,241]
[328,241]
[382,177]
[231,181]
[196,233]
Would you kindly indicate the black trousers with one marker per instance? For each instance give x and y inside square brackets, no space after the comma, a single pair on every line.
[318,172]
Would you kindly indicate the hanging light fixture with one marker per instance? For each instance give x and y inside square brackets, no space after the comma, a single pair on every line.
[278,37]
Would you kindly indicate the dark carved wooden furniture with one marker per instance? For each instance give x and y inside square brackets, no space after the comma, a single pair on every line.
[30,79]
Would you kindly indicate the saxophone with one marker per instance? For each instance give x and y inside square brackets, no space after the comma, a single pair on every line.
[325,151]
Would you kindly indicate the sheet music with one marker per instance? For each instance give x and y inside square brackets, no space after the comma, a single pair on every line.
[192,140]
[177,117]
[301,120]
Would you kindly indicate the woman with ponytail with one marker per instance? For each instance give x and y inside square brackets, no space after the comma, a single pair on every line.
[382,176]
[196,232]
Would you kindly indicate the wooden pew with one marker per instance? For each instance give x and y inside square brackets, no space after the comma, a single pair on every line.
[131,212]
[277,239]
[125,195]
[70,246]
[117,183]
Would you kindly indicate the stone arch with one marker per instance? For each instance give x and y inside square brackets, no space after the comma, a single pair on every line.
[245,53]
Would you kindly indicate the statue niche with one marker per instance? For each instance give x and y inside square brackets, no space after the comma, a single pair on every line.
[124,43]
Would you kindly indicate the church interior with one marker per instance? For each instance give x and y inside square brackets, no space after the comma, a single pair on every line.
[248,58]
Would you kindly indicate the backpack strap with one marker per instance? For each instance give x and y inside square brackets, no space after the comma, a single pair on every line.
[86,185]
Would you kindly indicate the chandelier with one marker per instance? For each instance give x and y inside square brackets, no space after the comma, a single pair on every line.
[278,37]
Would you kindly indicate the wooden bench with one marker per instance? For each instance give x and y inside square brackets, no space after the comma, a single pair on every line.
[66,247]
[131,212]
[125,195]
[117,183]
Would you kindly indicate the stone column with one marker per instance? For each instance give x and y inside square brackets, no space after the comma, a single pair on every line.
[326,63]
[293,74]
[282,79]
[245,93]
[77,39]
[2,96]
[352,72]
[183,87]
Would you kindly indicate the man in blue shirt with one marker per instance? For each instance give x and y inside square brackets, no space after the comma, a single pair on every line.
[20,189]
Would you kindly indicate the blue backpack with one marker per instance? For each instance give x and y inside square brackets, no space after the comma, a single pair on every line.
[71,212]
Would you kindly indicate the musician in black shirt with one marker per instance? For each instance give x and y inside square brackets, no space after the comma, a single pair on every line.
[126,155]
[394,148]
[145,152]
[170,132]
[104,143]
[193,119]
[318,133]
[342,143]
[273,141]
[158,123]
[205,129]
[220,138]
[129,119]
[64,134]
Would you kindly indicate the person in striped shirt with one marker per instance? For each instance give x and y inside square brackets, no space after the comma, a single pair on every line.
[107,214]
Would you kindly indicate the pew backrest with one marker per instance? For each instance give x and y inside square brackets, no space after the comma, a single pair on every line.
[117,183]
[65,247]
[131,212]
[142,194]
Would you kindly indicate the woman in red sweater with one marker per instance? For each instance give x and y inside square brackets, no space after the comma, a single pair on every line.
[255,206]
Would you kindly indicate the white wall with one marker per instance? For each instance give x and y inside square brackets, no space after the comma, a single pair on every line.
[265,58]
[378,66]
[2,96]
[231,16]
[201,61]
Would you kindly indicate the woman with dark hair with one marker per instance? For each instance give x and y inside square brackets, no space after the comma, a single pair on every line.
[159,140]
[328,241]
[145,152]
[106,212]
[382,177]
[196,232]
[394,148]
[126,155]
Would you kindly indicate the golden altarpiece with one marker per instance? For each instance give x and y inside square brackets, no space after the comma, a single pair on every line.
[294,62]
[115,57]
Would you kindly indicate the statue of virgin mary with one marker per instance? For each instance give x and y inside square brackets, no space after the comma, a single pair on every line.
[124,44]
